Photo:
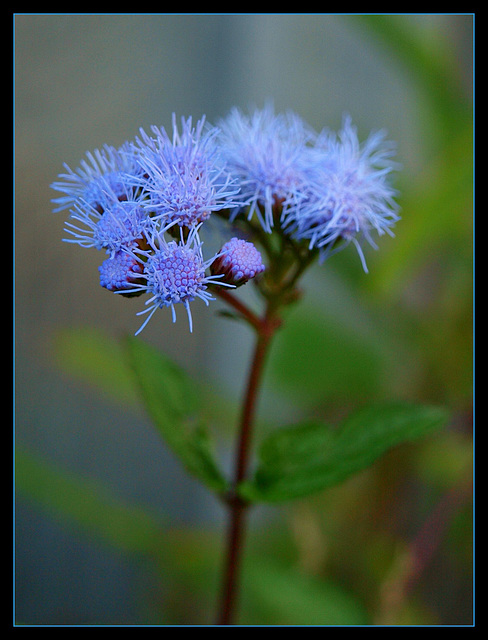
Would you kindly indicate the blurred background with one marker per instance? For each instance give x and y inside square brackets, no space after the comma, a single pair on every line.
[390,546]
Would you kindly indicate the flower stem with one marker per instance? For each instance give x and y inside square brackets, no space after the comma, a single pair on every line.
[238,507]
[240,307]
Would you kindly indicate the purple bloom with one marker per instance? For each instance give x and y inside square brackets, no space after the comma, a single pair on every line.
[350,195]
[269,156]
[144,203]
[238,262]
[183,176]
[173,273]
[120,225]
[110,167]
[119,270]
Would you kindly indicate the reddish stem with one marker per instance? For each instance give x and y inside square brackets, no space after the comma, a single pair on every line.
[239,306]
[265,331]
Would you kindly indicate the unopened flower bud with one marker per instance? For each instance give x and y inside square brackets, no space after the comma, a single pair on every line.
[238,261]
[118,271]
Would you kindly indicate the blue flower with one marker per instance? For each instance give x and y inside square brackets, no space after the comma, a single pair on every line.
[238,262]
[145,202]
[117,271]
[120,225]
[350,195]
[183,176]
[110,166]
[269,156]
[174,272]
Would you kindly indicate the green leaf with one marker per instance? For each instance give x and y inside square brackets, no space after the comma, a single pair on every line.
[71,498]
[97,359]
[171,400]
[353,361]
[302,459]
[276,594]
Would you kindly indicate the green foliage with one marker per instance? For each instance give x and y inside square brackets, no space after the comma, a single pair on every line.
[333,358]
[294,461]
[274,592]
[437,215]
[138,375]
[299,460]
[428,61]
[97,359]
[170,400]
[91,507]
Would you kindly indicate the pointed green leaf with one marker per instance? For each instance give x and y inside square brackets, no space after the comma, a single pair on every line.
[299,460]
[166,388]
[171,400]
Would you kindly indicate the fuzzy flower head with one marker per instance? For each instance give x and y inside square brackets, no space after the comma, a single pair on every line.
[238,262]
[173,273]
[267,153]
[183,176]
[117,271]
[102,174]
[121,224]
[352,196]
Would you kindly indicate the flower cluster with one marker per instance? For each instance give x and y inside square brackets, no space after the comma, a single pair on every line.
[349,195]
[326,189]
[144,204]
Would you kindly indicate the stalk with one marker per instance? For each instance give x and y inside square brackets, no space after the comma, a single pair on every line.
[238,507]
